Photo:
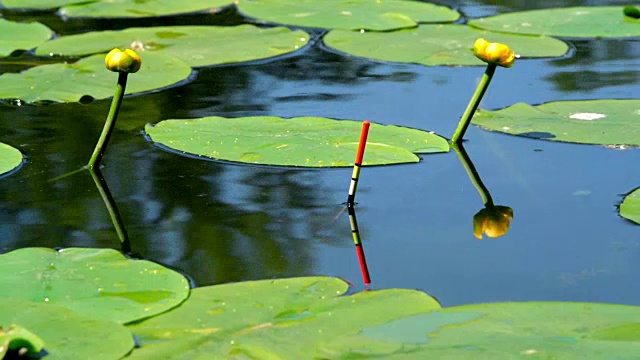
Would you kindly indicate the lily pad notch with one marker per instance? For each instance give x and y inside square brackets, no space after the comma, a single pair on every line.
[298,142]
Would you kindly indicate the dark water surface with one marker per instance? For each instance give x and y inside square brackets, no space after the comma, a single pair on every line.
[225,222]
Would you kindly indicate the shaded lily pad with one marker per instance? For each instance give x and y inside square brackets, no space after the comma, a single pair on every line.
[304,141]
[195,45]
[434,45]
[10,158]
[65,333]
[89,77]
[100,283]
[573,22]
[15,337]
[604,122]
[350,15]
[137,8]
[299,318]
[21,36]
[630,207]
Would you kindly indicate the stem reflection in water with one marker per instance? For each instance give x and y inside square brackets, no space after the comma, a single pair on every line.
[493,220]
[110,203]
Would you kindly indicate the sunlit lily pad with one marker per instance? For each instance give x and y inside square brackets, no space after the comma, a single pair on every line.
[542,330]
[10,158]
[630,207]
[304,141]
[137,8]
[195,45]
[100,283]
[351,15]
[16,337]
[434,45]
[573,22]
[66,334]
[89,77]
[304,318]
[604,122]
[21,36]
[300,318]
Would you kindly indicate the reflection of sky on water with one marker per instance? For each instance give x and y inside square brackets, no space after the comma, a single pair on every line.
[225,222]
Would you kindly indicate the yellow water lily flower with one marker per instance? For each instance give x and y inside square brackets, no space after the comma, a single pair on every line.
[494,221]
[494,53]
[123,61]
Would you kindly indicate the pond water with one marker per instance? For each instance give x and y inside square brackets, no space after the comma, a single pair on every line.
[220,222]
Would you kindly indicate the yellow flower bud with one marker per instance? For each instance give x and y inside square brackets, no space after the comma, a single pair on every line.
[494,221]
[123,61]
[494,53]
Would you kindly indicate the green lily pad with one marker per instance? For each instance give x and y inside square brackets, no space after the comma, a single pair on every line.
[16,337]
[10,158]
[304,141]
[434,45]
[531,329]
[351,15]
[21,36]
[89,77]
[573,22]
[37,4]
[299,318]
[630,207]
[100,283]
[195,45]
[65,333]
[603,122]
[137,8]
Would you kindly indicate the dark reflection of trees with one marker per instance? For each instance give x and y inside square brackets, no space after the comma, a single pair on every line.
[178,211]
[597,64]
[217,222]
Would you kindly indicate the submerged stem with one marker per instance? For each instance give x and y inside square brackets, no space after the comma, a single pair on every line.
[473,174]
[473,104]
[109,125]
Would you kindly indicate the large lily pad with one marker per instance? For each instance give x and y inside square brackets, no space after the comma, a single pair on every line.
[89,77]
[10,158]
[66,334]
[630,207]
[300,318]
[195,45]
[137,8]
[304,141]
[21,36]
[303,318]
[542,330]
[604,122]
[350,15]
[573,22]
[436,44]
[100,283]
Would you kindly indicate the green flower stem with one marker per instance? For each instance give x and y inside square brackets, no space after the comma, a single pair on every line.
[473,174]
[109,125]
[110,203]
[473,104]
